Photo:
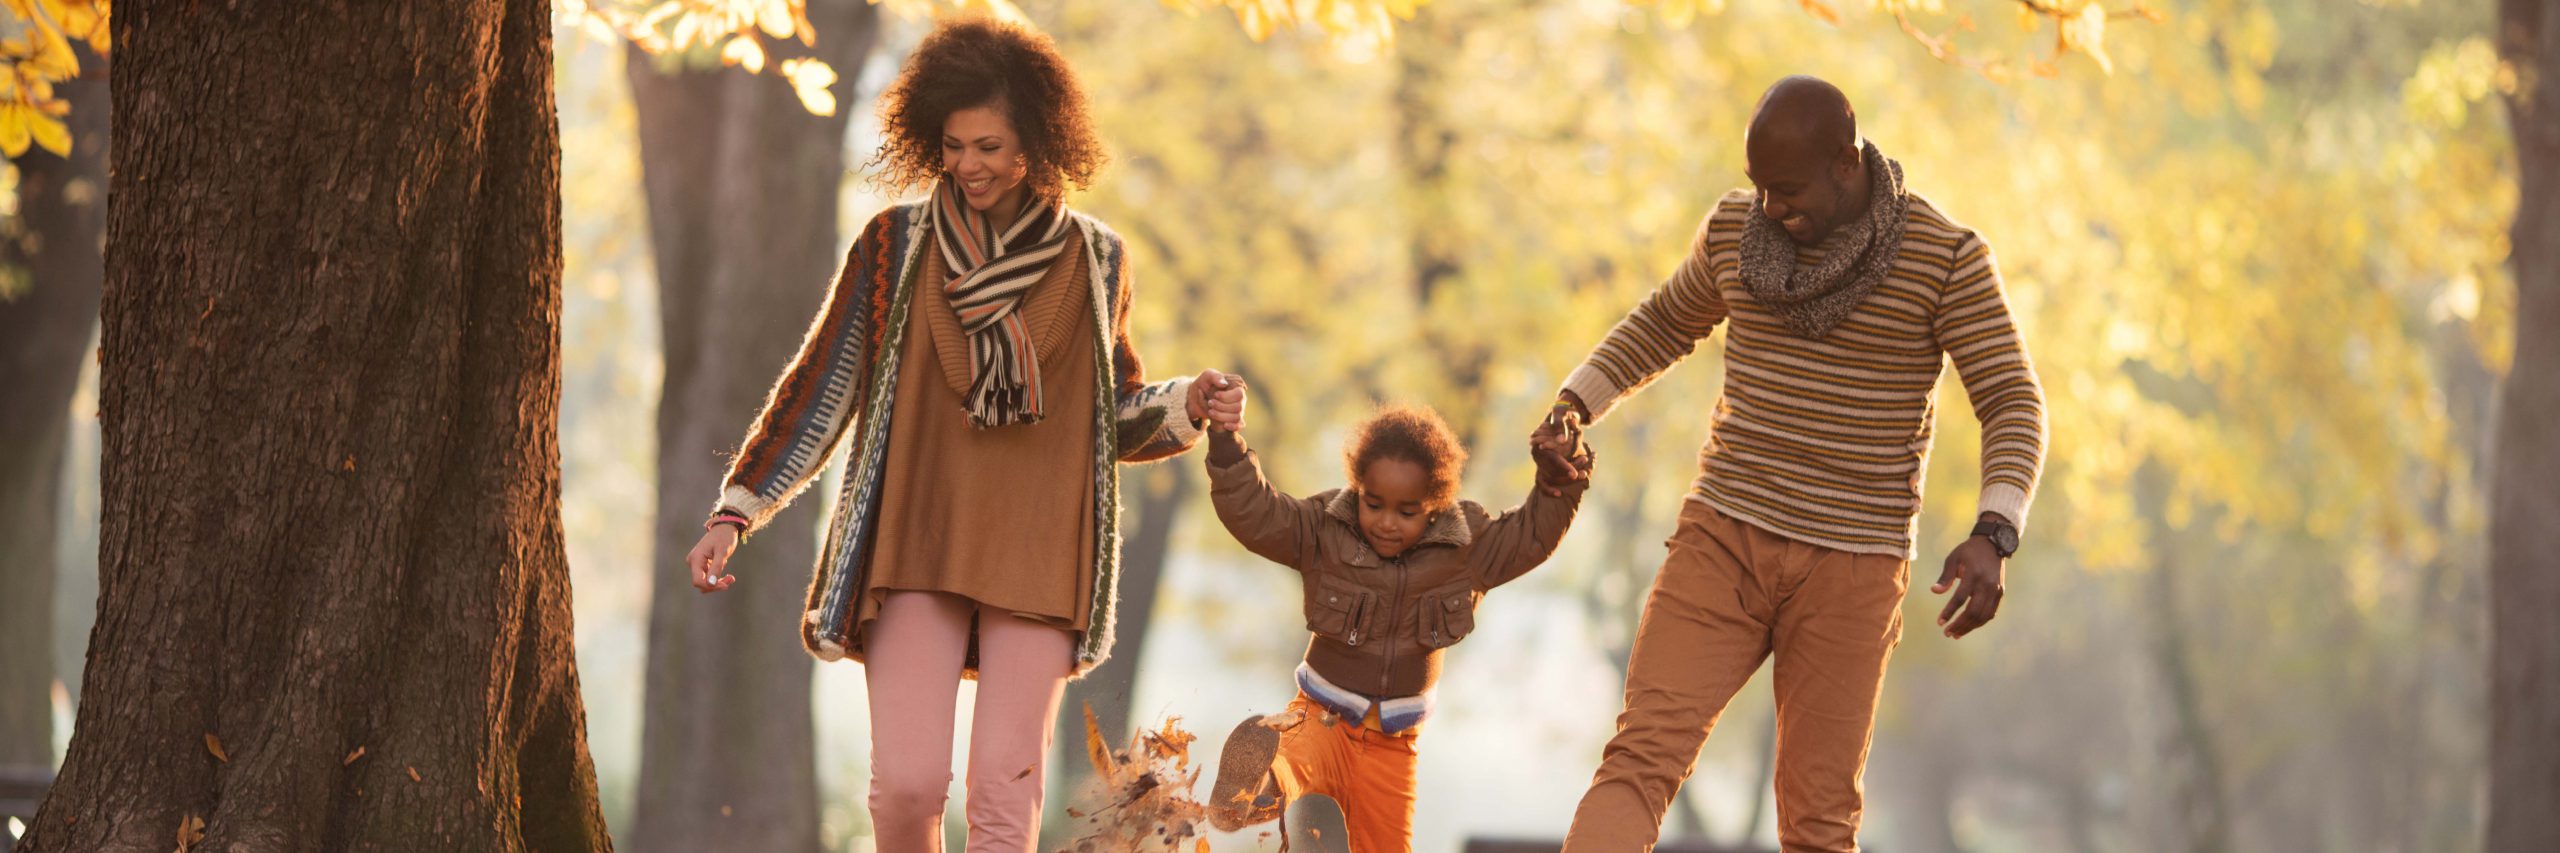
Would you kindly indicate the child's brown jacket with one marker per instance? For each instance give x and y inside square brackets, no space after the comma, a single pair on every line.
[1381,624]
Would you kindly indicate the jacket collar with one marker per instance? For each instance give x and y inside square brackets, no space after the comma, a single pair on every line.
[1448,526]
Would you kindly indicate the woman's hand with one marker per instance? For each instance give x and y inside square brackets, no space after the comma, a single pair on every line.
[1217,398]
[709,559]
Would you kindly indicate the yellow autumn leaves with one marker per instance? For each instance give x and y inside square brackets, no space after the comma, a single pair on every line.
[738,29]
[37,54]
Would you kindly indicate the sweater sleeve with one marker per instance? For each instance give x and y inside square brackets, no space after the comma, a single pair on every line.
[1663,329]
[1974,327]
[1153,421]
[808,410]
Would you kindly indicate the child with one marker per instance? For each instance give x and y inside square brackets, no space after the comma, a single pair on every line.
[1393,567]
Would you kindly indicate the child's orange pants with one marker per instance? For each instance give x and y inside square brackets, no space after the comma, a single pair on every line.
[1368,772]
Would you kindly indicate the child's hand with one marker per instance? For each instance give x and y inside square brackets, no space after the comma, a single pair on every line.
[1558,449]
[1218,398]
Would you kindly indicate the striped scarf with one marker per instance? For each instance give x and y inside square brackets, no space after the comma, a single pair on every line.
[990,276]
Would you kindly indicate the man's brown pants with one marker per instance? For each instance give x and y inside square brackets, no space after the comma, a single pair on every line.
[1728,597]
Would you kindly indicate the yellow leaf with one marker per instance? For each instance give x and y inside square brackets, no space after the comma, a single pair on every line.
[810,79]
[1095,748]
[51,133]
[14,131]
[775,17]
[2087,33]
[1822,10]
[352,756]
[743,51]
[413,775]
[53,57]
[214,745]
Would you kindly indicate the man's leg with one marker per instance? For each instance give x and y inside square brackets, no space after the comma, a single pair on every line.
[1833,637]
[1705,629]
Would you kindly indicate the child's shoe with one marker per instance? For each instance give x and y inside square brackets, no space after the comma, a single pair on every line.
[1245,794]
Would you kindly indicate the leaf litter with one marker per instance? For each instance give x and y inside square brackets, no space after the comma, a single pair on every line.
[1140,796]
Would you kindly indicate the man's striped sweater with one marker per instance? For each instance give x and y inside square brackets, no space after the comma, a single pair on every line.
[1824,441]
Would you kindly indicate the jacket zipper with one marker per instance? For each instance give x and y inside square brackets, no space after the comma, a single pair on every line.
[1394,606]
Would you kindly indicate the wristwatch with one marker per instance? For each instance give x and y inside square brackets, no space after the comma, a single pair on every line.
[2003,536]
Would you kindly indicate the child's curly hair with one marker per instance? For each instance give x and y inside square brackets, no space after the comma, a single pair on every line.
[1414,434]
[980,63]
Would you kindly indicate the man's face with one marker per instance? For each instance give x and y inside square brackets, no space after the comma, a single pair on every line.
[1805,188]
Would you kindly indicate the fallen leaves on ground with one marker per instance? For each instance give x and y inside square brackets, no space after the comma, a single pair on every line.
[1140,795]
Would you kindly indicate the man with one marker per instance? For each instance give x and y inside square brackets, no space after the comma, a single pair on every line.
[1843,293]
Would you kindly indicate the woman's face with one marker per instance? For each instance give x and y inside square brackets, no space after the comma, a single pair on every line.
[981,152]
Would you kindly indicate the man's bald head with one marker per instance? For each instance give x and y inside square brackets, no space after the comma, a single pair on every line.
[1804,155]
[1804,114]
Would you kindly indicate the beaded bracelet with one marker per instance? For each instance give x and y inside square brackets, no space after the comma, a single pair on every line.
[729,517]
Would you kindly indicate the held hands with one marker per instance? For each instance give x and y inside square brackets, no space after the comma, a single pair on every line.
[709,559]
[1557,446]
[1975,572]
[1217,398]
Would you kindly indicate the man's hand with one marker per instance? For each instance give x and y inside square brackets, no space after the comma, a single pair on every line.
[1975,572]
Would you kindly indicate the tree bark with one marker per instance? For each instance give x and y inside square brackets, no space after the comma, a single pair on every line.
[742,187]
[333,606]
[2524,538]
[44,331]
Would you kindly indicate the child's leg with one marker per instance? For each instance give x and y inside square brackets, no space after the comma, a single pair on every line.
[1310,757]
[914,653]
[1022,672]
[1377,792]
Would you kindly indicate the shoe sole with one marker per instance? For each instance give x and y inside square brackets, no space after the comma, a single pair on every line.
[1243,795]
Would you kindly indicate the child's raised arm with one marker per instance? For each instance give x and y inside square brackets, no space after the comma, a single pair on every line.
[1265,520]
[1517,541]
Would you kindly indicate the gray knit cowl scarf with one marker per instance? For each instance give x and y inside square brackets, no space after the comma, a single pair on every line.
[1814,299]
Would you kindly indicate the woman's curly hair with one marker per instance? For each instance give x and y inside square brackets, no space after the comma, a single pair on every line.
[978,63]
[1414,434]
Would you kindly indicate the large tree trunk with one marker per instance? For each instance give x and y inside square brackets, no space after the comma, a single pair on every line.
[334,609]
[44,331]
[2524,538]
[742,185]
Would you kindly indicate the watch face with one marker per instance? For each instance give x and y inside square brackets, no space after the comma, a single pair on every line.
[2004,538]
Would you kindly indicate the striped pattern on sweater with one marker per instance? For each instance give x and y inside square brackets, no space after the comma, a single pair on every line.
[1826,441]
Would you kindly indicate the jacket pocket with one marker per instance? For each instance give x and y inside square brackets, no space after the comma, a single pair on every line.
[1448,617]
[1337,612]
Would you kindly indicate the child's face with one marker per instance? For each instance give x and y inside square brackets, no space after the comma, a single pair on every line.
[1391,505]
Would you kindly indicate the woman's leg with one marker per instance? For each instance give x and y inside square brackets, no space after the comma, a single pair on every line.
[1022,672]
[912,659]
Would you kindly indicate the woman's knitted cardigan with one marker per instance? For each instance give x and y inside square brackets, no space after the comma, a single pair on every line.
[845,381]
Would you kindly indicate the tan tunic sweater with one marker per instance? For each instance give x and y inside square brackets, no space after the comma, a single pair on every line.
[1001,516]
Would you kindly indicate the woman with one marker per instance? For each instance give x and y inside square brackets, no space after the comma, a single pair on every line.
[975,351]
